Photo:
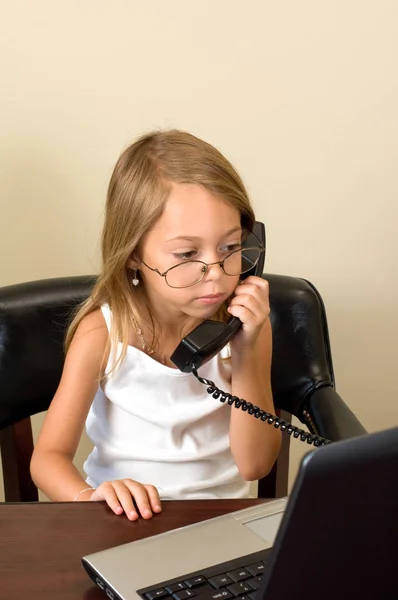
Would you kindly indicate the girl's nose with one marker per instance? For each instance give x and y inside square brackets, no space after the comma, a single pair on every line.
[214,272]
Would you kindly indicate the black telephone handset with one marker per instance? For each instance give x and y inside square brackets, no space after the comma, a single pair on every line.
[206,340]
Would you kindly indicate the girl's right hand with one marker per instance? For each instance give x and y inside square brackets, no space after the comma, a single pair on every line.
[130,497]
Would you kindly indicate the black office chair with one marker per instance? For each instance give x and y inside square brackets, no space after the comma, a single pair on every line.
[33,321]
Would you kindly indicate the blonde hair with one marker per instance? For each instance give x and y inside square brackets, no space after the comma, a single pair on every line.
[138,189]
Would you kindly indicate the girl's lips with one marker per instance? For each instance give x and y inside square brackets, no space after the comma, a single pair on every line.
[211,299]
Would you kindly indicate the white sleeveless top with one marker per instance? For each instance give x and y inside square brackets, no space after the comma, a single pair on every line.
[158,425]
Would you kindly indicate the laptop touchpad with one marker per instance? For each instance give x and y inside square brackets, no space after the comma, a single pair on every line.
[265,527]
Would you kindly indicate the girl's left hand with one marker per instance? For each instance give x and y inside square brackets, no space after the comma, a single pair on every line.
[251,305]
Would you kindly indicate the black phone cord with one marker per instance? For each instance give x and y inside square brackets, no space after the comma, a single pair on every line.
[258,413]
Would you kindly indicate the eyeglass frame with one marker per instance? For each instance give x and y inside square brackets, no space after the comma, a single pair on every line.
[207,265]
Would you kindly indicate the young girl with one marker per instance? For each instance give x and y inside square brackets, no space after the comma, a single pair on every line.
[173,200]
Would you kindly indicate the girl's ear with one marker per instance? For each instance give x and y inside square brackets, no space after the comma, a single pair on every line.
[133,262]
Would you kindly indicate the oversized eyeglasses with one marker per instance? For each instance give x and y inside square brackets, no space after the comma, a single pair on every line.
[192,272]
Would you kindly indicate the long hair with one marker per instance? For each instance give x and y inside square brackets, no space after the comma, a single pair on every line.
[137,192]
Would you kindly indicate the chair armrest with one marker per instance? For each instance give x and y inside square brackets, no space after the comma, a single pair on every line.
[330,416]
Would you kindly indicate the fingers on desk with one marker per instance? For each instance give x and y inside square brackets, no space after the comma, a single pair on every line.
[129,497]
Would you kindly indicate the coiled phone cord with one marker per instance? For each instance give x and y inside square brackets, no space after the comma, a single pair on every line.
[258,413]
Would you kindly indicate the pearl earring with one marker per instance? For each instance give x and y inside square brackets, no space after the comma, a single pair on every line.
[135,281]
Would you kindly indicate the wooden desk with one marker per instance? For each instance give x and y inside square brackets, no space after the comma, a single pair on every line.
[41,544]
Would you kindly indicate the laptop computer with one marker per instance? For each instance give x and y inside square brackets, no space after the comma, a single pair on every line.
[335,537]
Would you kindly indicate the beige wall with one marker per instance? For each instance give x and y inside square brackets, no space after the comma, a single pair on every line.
[301,96]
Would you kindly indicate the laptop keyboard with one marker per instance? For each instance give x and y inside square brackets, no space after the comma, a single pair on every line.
[239,578]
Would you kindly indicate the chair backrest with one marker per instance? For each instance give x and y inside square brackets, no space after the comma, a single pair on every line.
[33,321]
[302,359]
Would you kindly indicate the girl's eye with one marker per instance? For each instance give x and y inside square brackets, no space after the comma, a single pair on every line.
[228,248]
[185,255]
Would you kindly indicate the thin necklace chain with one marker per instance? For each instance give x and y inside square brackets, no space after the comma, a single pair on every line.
[147,348]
